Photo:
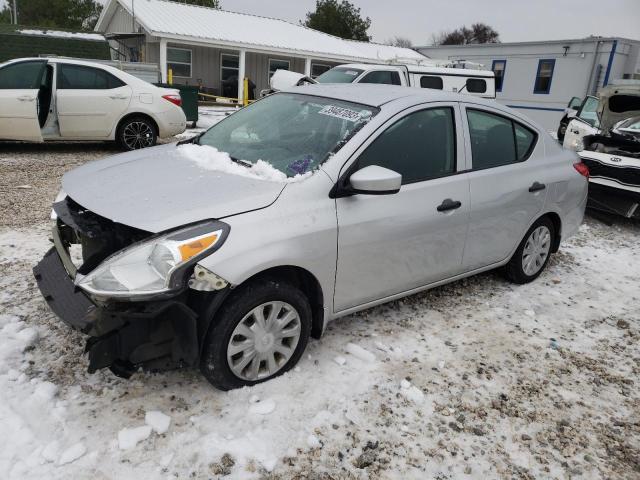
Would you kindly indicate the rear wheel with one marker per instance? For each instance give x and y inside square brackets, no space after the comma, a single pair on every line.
[533,253]
[259,333]
[135,133]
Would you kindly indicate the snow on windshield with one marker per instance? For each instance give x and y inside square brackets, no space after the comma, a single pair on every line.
[210,158]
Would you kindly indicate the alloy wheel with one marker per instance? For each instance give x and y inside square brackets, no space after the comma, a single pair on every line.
[536,250]
[264,340]
[137,135]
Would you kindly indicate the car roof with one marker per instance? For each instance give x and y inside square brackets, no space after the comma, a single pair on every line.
[130,79]
[376,95]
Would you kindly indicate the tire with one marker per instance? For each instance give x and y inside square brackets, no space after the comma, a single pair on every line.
[515,270]
[562,129]
[135,133]
[226,335]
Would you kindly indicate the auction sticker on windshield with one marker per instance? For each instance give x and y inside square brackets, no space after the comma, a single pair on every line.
[340,112]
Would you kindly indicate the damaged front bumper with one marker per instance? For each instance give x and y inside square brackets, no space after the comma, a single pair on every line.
[156,334]
[153,335]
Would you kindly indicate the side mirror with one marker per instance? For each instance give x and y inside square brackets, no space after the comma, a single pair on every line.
[375,180]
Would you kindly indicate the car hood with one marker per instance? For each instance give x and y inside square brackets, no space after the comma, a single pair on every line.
[618,103]
[157,189]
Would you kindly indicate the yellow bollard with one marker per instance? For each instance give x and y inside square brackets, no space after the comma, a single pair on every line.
[170,76]
[245,93]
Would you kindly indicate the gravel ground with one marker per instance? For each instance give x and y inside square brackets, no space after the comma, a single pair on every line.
[476,379]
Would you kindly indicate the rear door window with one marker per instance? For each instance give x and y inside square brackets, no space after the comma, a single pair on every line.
[419,146]
[381,76]
[497,140]
[427,81]
[80,77]
[22,75]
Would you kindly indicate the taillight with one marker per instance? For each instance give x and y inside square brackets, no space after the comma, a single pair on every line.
[173,98]
[582,169]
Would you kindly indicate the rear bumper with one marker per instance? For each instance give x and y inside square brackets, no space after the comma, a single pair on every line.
[171,122]
[614,200]
[154,335]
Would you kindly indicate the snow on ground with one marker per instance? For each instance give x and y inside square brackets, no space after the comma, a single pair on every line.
[478,379]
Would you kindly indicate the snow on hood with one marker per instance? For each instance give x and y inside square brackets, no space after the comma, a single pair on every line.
[618,103]
[210,158]
[164,187]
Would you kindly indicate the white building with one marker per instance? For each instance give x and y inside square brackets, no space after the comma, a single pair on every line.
[539,78]
[217,48]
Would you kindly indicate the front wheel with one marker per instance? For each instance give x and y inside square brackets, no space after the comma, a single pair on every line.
[532,254]
[135,133]
[259,333]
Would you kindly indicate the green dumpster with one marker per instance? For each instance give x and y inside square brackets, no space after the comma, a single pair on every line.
[189,96]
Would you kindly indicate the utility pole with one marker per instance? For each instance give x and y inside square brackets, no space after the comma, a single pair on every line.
[13,10]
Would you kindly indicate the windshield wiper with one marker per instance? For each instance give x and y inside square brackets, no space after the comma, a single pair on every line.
[244,163]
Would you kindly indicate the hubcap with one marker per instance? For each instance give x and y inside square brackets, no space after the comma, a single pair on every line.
[137,135]
[536,250]
[263,341]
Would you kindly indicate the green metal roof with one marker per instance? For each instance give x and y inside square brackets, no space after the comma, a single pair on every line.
[14,44]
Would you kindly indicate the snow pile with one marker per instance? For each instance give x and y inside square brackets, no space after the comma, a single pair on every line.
[130,437]
[61,34]
[210,158]
[360,353]
[158,421]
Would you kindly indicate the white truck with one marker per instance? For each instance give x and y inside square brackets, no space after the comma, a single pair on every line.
[448,78]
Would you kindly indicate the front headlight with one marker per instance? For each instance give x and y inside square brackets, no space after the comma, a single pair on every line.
[154,266]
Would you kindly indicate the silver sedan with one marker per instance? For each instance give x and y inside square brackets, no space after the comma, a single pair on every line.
[230,251]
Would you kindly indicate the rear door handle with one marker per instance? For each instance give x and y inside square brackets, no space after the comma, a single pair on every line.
[26,98]
[118,97]
[537,186]
[449,204]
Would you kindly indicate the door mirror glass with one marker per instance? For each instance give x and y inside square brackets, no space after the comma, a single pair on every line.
[375,180]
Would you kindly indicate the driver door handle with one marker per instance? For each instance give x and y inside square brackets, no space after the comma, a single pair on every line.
[537,186]
[26,98]
[118,97]
[449,204]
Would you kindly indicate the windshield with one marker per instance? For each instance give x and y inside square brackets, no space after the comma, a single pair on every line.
[339,75]
[294,133]
[588,113]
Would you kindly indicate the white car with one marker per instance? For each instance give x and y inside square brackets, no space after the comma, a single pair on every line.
[44,99]
[585,122]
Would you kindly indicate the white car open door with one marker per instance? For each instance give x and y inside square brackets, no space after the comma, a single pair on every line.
[20,84]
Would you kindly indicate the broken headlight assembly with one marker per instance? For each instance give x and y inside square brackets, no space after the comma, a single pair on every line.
[154,266]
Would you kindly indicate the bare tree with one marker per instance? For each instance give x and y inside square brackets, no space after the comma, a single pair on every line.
[478,33]
[398,41]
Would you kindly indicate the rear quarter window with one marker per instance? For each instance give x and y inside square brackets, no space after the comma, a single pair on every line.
[428,81]
[476,85]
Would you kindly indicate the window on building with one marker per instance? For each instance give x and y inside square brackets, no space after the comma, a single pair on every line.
[420,146]
[476,85]
[80,77]
[275,64]
[318,69]
[179,61]
[498,68]
[229,67]
[497,140]
[381,76]
[22,75]
[544,76]
[427,81]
